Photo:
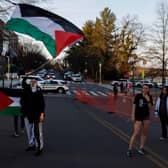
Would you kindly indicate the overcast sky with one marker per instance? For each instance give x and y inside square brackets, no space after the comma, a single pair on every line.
[79,11]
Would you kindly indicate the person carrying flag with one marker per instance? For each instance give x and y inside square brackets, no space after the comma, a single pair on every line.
[35,114]
[24,110]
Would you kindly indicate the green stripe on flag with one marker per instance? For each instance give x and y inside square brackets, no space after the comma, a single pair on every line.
[11,111]
[23,26]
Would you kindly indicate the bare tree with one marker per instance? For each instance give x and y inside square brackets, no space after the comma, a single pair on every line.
[129,37]
[158,49]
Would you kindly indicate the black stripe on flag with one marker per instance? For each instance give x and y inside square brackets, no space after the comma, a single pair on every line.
[33,11]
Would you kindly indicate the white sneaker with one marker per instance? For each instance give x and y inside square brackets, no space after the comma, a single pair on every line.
[141,151]
[15,134]
[162,138]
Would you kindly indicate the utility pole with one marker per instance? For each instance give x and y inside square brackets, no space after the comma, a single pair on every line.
[100,72]
[132,61]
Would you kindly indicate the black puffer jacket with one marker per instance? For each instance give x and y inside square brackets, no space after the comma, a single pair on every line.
[32,105]
[24,98]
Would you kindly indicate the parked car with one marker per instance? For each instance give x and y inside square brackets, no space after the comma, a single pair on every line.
[59,86]
[31,77]
[159,84]
[146,82]
[50,75]
[68,74]
[18,84]
[76,77]
[42,73]
[118,82]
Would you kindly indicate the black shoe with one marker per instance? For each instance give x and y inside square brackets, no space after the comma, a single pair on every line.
[39,152]
[31,148]
[129,153]
[141,151]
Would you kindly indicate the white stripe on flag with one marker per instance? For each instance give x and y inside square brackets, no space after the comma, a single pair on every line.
[43,23]
[48,26]
[16,102]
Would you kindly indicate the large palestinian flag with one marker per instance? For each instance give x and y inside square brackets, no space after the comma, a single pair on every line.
[55,31]
[9,105]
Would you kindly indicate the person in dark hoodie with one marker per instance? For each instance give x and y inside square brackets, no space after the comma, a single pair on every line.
[161,110]
[25,111]
[35,114]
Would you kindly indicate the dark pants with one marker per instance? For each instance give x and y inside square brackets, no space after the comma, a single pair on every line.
[16,120]
[164,123]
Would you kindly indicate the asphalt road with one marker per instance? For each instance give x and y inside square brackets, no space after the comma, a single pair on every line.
[78,136]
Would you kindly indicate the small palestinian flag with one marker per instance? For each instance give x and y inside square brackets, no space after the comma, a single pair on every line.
[54,31]
[9,105]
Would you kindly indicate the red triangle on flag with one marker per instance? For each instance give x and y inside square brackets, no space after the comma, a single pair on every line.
[5,101]
[64,39]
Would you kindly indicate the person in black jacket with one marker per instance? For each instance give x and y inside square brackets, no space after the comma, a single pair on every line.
[35,114]
[25,110]
[161,110]
[140,117]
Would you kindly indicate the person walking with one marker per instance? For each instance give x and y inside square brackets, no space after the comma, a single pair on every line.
[24,101]
[115,89]
[128,87]
[121,87]
[161,110]
[36,114]
[140,118]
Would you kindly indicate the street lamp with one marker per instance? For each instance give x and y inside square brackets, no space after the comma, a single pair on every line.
[132,61]
[100,72]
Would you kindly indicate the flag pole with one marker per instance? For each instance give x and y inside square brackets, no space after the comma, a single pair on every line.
[41,66]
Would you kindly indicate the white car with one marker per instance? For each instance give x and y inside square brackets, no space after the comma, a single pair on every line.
[118,82]
[31,77]
[76,77]
[142,82]
[28,79]
[68,74]
[59,86]
[159,84]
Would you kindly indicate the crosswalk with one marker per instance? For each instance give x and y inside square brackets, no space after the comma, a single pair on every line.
[93,93]
[90,92]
